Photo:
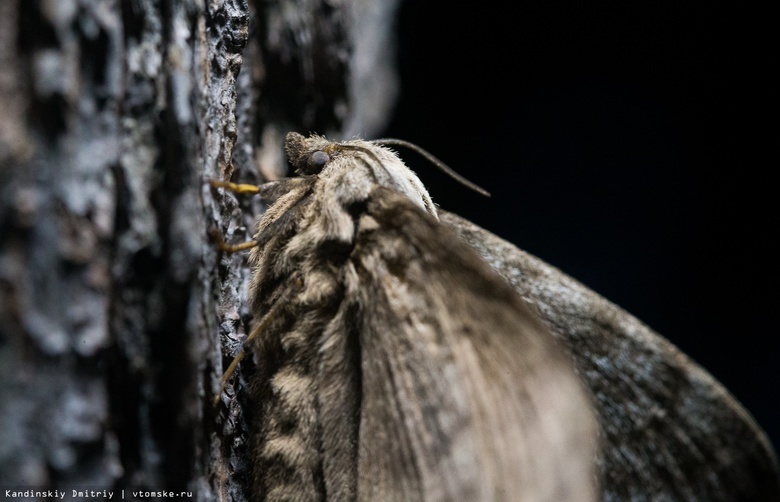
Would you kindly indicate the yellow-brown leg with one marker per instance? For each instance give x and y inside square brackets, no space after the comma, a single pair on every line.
[223,246]
[239,188]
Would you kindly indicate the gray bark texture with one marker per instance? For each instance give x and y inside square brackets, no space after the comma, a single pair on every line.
[117,314]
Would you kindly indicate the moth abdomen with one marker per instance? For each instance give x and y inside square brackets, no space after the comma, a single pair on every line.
[286,430]
[287,437]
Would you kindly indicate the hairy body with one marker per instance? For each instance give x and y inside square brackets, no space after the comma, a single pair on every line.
[400,366]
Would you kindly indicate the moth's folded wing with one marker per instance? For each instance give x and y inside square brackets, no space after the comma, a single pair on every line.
[671,431]
[465,394]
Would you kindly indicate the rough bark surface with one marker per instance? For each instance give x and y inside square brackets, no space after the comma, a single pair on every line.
[117,314]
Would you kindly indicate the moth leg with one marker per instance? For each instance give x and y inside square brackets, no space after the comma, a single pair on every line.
[264,322]
[216,236]
[296,283]
[239,188]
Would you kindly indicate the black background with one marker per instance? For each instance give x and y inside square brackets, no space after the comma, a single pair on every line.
[631,145]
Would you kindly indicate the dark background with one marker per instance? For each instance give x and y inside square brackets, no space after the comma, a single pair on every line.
[629,145]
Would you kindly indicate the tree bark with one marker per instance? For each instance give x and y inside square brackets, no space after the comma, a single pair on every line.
[117,314]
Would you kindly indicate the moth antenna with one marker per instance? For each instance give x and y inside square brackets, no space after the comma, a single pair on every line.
[433,160]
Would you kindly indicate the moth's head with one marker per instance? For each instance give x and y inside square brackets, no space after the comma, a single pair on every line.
[308,155]
[347,159]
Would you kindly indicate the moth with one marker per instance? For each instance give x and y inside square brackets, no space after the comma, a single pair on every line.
[404,353]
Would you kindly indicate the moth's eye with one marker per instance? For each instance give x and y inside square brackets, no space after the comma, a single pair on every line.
[312,164]
[318,160]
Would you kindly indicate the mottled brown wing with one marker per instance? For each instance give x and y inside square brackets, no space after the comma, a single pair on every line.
[671,431]
[465,395]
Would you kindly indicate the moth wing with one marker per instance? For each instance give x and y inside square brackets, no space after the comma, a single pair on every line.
[670,430]
[465,394]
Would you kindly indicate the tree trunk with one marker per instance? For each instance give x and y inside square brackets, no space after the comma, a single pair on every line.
[117,314]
